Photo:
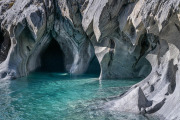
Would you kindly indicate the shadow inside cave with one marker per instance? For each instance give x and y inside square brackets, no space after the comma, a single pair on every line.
[5,44]
[94,67]
[52,58]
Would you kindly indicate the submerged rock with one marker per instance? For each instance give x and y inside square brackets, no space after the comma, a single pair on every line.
[130,38]
[135,98]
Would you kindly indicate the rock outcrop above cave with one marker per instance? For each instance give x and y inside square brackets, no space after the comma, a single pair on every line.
[82,28]
[130,38]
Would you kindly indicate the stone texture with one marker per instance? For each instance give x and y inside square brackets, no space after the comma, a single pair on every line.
[130,38]
[135,98]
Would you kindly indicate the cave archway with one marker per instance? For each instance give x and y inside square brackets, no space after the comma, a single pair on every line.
[94,67]
[5,44]
[52,58]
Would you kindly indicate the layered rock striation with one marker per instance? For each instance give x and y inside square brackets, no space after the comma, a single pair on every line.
[130,38]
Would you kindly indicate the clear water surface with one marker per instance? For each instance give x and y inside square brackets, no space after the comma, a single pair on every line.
[60,96]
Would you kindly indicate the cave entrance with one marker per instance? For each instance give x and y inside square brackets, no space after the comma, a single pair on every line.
[94,67]
[52,58]
[5,44]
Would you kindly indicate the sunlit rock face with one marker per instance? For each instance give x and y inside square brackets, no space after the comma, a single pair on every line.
[30,25]
[160,21]
[130,38]
[112,35]
[26,25]
[69,33]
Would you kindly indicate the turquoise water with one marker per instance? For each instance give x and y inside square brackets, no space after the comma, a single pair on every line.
[60,96]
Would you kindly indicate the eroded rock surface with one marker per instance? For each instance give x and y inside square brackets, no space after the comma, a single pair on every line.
[130,38]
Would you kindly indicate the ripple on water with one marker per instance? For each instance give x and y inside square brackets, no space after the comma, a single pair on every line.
[60,96]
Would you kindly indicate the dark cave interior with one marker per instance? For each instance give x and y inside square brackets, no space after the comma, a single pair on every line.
[94,67]
[52,58]
[5,44]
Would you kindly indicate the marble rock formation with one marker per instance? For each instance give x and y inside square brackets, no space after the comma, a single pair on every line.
[130,38]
